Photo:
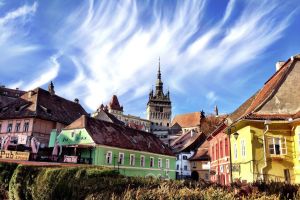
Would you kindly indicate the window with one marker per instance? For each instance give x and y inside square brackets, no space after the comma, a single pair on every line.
[185,168]
[109,157]
[213,152]
[9,127]
[26,126]
[235,152]
[0,127]
[167,163]
[142,161]
[177,157]
[151,162]
[243,146]
[132,159]
[217,152]
[159,163]
[121,159]
[194,164]
[221,149]
[177,167]
[18,125]
[184,157]
[277,146]
[226,147]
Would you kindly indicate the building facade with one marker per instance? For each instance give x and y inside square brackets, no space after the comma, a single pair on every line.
[219,152]
[265,145]
[132,152]
[200,165]
[159,107]
[34,114]
[116,109]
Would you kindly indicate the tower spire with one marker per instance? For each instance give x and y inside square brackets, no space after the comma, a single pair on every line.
[158,72]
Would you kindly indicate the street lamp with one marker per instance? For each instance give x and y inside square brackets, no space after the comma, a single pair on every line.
[236,135]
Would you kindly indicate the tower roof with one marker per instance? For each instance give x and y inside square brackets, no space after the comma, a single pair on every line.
[114,104]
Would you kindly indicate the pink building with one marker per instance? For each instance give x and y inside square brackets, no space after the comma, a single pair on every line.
[219,155]
[34,114]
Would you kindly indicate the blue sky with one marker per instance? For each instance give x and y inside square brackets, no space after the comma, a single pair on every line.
[212,52]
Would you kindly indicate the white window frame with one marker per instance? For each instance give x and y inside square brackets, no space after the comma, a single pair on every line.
[159,163]
[282,142]
[132,160]
[108,157]
[121,161]
[243,148]
[235,152]
[142,161]
[153,163]
[167,164]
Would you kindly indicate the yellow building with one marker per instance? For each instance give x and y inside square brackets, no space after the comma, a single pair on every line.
[265,138]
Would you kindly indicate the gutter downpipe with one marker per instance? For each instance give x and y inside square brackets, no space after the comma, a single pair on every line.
[264,146]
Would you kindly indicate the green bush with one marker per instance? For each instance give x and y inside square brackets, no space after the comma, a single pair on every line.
[6,171]
[92,183]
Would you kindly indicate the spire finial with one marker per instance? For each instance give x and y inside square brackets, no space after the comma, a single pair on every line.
[158,73]
[51,88]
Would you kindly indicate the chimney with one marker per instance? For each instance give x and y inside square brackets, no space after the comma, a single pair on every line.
[76,100]
[279,64]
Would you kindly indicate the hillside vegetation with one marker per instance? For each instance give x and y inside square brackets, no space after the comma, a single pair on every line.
[19,182]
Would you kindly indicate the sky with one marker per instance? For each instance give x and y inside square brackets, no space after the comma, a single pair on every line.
[212,52]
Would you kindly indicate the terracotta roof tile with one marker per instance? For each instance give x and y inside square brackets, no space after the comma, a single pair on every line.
[269,87]
[110,134]
[187,120]
[114,104]
[251,109]
[8,95]
[201,153]
[41,104]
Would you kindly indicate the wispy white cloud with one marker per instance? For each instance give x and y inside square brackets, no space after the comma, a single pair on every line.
[211,97]
[12,33]
[48,74]
[112,49]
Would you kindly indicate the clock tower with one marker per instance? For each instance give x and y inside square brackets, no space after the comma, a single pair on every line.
[159,108]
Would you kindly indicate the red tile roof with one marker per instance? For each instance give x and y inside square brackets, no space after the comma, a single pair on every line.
[187,120]
[111,134]
[269,87]
[249,110]
[39,103]
[193,140]
[114,104]
[8,95]
[201,153]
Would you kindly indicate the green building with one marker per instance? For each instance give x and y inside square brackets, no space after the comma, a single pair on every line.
[132,152]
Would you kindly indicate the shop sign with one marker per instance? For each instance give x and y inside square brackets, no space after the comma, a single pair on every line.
[22,139]
[14,155]
[235,167]
[70,159]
